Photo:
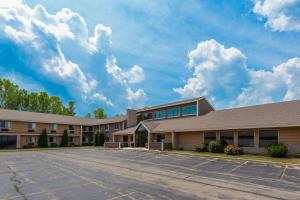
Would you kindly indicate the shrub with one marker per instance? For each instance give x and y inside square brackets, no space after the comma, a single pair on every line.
[181,148]
[215,147]
[297,155]
[200,148]
[277,150]
[233,150]
[54,145]
[43,139]
[99,138]
[65,139]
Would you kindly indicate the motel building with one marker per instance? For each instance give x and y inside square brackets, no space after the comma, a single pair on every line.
[177,125]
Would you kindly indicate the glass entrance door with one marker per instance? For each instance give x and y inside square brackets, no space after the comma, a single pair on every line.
[141,137]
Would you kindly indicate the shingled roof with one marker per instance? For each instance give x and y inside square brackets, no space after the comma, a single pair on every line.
[14,115]
[274,115]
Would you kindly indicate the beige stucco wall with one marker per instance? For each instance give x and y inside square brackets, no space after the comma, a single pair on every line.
[188,140]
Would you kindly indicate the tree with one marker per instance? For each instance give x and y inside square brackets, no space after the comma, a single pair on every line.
[65,139]
[72,108]
[88,116]
[43,139]
[14,97]
[99,138]
[99,113]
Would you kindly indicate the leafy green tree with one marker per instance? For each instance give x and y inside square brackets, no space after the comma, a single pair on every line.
[72,108]
[88,116]
[13,97]
[99,138]
[43,139]
[65,139]
[99,113]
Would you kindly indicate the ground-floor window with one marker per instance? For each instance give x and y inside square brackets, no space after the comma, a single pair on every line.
[106,139]
[52,139]
[246,138]
[125,138]
[160,137]
[30,140]
[267,137]
[70,139]
[226,138]
[209,136]
[85,139]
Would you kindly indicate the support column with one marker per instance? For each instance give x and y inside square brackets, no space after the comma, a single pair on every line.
[235,138]
[18,141]
[149,140]
[218,136]
[256,138]
[80,138]
[174,140]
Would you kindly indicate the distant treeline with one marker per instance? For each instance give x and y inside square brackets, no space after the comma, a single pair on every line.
[16,98]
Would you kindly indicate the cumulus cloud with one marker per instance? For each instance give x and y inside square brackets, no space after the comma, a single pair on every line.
[222,75]
[280,15]
[41,35]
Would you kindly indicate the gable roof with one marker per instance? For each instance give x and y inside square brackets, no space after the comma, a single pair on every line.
[274,115]
[24,116]
[174,104]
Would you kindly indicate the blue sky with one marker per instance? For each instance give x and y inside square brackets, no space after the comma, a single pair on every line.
[145,53]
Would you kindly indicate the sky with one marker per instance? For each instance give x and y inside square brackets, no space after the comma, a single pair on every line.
[120,54]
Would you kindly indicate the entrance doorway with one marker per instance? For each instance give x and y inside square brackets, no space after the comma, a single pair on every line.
[141,137]
[8,142]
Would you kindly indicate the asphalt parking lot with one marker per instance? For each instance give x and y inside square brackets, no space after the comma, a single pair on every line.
[125,174]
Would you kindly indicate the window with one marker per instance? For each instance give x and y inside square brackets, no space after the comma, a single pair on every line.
[70,139]
[189,110]
[117,126]
[226,138]
[31,126]
[125,138]
[85,139]
[267,137]
[106,139]
[30,140]
[106,127]
[173,112]
[52,139]
[53,127]
[71,127]
[160,137]
[147,116]
[209,136]
[160,114]
[246,138]
[5,125]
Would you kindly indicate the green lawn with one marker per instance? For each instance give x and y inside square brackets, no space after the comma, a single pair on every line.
[260,158]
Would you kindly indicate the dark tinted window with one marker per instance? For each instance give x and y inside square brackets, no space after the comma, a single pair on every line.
[173,112]
[160,137]
[160,114]
[209,136]
[246,138]
[147,116]
[226,137]
[189,110]
[267,137]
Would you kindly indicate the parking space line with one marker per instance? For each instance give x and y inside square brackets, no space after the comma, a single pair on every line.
[239,166]
[123,195]
[203,163]
[283,173]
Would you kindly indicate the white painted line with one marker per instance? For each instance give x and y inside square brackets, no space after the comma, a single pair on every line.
[283,173]
[237,167]
[123,195]
[203,163]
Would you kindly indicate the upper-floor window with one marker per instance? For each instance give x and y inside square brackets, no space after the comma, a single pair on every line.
[5,124]
[173,112]
[189,110]
[31,126]
[147,116]
[71,127]
[117,126]
[106,127]
[52,128]
[160,114]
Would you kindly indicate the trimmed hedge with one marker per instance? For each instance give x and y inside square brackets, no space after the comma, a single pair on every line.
[277,150]
[233,150]
[200,148]
[215,147]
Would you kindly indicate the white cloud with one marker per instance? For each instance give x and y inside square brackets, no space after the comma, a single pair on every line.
[222,75]
[281,15]
[216,70]
[42,34]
